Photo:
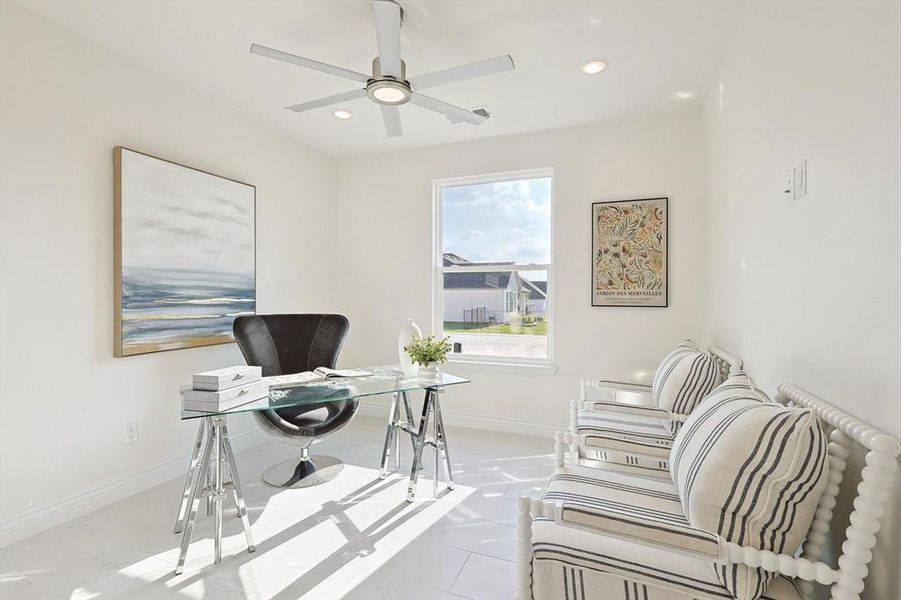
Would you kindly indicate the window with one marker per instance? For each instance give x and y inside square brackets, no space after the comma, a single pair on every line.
[493,268]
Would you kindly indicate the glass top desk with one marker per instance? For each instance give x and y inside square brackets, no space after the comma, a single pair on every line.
[212,458]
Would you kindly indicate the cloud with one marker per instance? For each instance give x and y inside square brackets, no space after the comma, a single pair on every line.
[500,221]
[472,235]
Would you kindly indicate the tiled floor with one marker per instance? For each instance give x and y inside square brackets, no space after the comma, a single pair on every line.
[354,537]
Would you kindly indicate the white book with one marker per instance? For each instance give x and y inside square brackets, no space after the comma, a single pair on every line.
[229,377]
[209,401]
[318,374]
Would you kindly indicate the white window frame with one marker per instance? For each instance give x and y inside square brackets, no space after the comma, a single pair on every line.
[438,268]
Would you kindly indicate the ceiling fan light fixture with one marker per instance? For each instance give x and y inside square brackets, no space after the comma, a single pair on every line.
[594,66]
[388,92]
[388,85]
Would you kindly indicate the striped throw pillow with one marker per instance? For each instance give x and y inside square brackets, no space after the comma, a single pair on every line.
[684,377]
[752,471]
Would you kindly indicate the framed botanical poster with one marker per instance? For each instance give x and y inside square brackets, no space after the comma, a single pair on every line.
[185,254]
[629,253]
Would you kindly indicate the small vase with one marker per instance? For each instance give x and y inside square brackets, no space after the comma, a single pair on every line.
[406,335]
[431,372]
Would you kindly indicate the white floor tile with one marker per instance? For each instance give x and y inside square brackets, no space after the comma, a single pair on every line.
[423,562]
[354,537]
[475,535]
[486,578]
[24,588]
[383,587]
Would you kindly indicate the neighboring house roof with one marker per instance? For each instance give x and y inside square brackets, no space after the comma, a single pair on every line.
[454,260]
[491,280]
[451,259]
[479,281]
[537,289]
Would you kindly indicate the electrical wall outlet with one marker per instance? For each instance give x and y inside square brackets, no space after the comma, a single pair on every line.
[131,433]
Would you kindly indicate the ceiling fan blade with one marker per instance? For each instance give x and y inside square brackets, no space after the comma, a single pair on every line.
[449,110]
[470,71]
[391,116]
[308,63]
[328,100]
[387,30]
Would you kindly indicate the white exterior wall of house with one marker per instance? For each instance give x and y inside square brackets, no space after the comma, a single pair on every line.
[458,300]
[537,307]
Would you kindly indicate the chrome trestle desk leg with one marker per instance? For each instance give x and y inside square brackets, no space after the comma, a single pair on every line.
[420,442]
[195,463]
[206,479]
[396,437]
[439,420]
[408,411]
[209,485]
[437,447]
[390,437]
[217,495]
[400,420]
[431,408]
[237,490]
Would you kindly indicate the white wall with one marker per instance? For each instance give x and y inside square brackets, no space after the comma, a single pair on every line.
[64,399]
[385,211]
[808,292]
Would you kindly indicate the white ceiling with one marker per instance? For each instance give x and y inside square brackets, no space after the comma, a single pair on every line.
[655,49]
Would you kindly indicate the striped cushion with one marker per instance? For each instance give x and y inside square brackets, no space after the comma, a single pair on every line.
[622,462]
[683,378]
[619,432]
[625,505]
[751,471]
[568,564]
[630,410]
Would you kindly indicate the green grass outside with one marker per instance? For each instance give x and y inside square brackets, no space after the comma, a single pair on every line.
[460,327]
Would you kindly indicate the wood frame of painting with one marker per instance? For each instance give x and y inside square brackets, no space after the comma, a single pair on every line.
[119,349]
[594,240]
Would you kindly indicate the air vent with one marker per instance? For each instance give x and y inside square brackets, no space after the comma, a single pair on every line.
[479,110]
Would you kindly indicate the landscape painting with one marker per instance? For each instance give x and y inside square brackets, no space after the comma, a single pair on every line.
[185,259]
[629,253]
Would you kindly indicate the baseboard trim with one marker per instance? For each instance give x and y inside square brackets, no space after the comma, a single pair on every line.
[56,513]
[379,408]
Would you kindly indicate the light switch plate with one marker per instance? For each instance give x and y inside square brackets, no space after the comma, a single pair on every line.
[799,180]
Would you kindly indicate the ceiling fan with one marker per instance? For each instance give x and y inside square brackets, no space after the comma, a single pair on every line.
[388,85]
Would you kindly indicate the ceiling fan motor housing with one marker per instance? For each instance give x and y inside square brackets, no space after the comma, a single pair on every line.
[388,90]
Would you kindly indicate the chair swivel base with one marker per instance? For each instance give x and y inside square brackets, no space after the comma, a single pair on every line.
[303,472]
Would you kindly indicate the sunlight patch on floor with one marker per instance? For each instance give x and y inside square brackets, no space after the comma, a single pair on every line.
[320,542]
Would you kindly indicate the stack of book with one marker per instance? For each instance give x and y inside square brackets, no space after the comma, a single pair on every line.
[225,389]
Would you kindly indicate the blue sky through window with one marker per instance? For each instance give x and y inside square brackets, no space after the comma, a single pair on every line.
[502,221]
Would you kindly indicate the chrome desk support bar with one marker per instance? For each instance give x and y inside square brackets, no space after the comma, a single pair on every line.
[397,422]
[206,479]
[431,411]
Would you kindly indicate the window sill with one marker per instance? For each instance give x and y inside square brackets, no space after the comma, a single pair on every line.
[506,364]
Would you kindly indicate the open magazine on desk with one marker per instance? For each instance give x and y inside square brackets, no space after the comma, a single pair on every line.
[319,374]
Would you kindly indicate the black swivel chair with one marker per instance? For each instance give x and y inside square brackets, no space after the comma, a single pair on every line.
[285,344]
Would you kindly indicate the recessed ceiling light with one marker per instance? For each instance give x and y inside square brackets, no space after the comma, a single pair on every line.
[684,95]
[343,114]
[593,67]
